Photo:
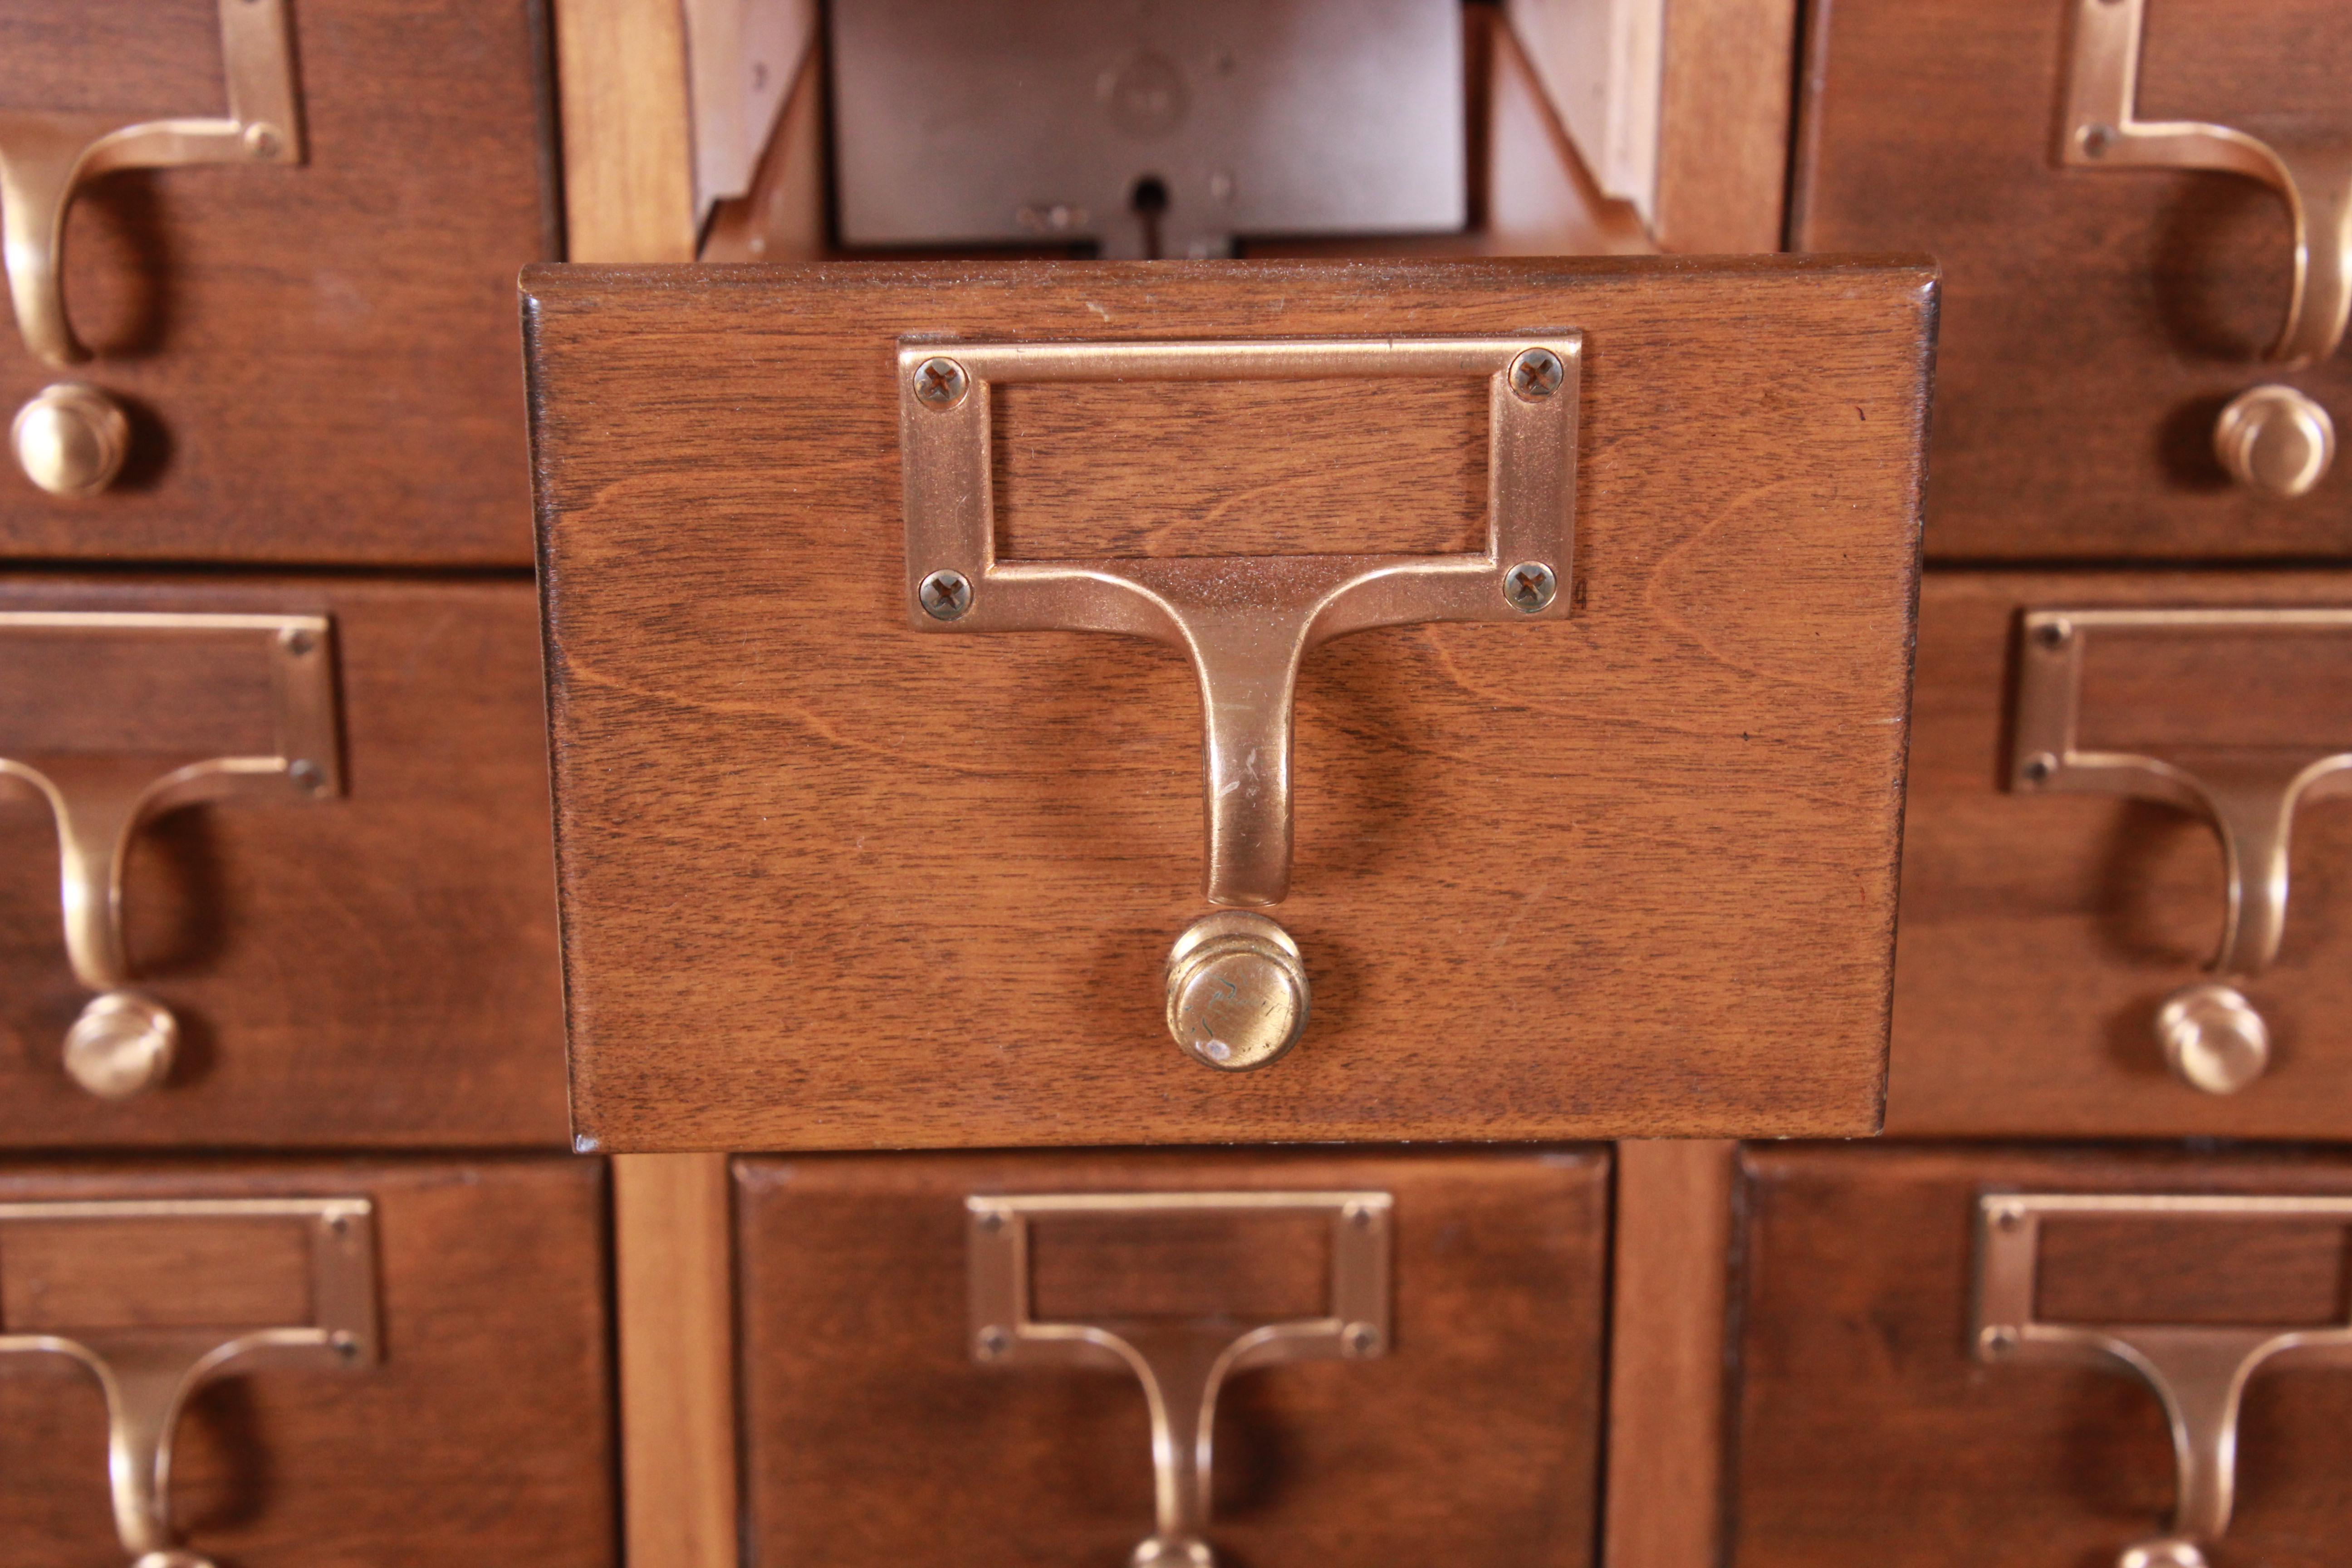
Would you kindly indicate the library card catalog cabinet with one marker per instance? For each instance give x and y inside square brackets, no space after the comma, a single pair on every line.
[878,821]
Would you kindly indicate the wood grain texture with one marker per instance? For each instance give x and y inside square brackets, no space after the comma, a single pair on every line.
[673,1249]
[1866,1434]
[1671,1248]
[374,969]
[1548,883]
[628,130]
[319,361]
[871,1436]
[2095,320]
[1724,116]
[1420,445]
[2041,934]
[77,1277]
[481,1439]
[2282,1273]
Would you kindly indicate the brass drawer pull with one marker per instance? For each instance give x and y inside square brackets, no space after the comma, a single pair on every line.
[124,1040]
[148,1373]
[2103,130]
[2198,1373]
[1182,1364]
[2273,438]
[46,156]
[1245,622]
[2212,1036]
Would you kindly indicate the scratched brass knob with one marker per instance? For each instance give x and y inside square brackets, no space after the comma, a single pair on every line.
[2212,1037]
[122,1045]
[2276,440]
[1236,991]
[72,439]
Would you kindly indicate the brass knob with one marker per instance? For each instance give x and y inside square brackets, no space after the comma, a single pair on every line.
[2169,1553]
[1157,1552]
[1238,993]
[2276,440]
[2212,1037]
[171,1560]
[72,439]
[122,1045]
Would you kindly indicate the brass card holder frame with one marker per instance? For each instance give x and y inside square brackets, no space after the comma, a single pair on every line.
[1182,1365]
[149,1374]
[2211,1035]
[1238,993]
[2198,1373]
[124,1040]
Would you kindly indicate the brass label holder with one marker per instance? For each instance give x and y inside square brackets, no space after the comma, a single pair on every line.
[149,1374]
[1182,1365]
[2211,1035]
[2197,1372]
[2103,130]
[72,439]
[1245,622]
[2273,438]
[124,1040]
[46,156]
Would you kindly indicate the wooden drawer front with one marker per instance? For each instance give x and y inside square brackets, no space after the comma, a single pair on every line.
[1549,871]
[371,964]
[2043,933]
[2096,320]
[876,1426]
[318,360]
[1869,1431]
[469,1424]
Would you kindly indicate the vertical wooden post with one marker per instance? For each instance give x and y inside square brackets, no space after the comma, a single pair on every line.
[1726,110]
[674,1251]
[628,180]
[1673,1243]
[628,130]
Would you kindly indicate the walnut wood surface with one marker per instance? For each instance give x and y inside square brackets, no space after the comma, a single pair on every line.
[2095,320]
[2282,1273]
[378,969]
[1867,1434]
[87,1275]
[2039,933]
[1627,875]
[1420,445]
[871,1436]
[483,1438]
[320,361]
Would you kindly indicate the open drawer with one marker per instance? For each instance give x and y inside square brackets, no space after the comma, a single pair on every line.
[867,836]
